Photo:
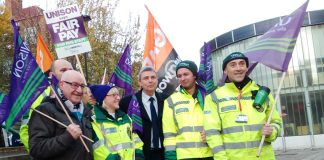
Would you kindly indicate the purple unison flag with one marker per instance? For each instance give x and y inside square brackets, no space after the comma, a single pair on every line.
[202,71]
[205,72]
[135,113]
[54,81]
[27,81]
[122,76]
[274,49]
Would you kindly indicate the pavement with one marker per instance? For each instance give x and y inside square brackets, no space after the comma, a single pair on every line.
[301,154]
[298,154]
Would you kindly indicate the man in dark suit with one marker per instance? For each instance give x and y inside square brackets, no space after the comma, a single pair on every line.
[151,107]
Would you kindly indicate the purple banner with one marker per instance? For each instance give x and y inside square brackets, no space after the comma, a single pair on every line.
[67,30]
[274,49]
[27,81]
[205,73]
[122,76]
[135,113]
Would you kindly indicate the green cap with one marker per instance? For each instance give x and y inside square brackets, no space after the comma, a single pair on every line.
[233,56]
[189,65]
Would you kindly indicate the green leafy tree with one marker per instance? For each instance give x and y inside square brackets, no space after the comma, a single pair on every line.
[6,49]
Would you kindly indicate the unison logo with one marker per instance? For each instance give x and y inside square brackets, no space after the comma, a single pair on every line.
[62,12]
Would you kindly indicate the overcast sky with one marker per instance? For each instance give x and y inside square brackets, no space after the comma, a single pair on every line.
[188,23]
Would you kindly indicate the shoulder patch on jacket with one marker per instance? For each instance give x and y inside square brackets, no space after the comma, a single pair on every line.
[180,110]
[228,108]
[181,102]
[111,130]
[207,112]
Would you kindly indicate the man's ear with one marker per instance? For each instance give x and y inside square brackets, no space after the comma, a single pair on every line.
[61,84]
[225,72]
[50,74]
[139,83]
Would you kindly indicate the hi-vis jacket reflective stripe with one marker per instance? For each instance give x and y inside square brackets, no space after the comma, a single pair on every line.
[23,132]
[182,124]
[114,136]
[230,139]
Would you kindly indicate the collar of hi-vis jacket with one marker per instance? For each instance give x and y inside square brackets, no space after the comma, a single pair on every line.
[199,94]
[240,85]
[247,87]
[101,115]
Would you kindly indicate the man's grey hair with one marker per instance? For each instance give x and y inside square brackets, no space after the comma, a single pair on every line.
[144,69]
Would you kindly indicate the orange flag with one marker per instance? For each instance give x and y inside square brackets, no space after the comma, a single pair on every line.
[160,54]
[44,58]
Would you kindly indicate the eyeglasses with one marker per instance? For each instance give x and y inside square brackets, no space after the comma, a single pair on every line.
[75,85]
[114,95]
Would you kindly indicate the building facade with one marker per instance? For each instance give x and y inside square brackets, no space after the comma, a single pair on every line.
[301,99]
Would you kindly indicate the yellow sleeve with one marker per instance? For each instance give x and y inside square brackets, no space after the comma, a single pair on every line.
[276,121]
[169,130]
[23,131]
[212,126]
[100,146]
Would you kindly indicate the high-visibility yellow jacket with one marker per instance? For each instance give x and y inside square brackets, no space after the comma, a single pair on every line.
[23,132]
[114,138]
[233,140]
[182,123]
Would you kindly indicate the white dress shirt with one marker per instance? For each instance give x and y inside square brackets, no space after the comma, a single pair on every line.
[147,105]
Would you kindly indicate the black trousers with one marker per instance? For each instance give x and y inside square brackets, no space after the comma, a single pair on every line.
[154,154]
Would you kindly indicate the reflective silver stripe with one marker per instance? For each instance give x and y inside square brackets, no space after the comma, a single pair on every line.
[217,149]
[191,129]
[253,127]
[228,108]
[102,128]
[171,105]
[232,129]
[277,129]
[44,94]
[233,98]
[278,123]
[235,129]
[170,102]
[170,148]
[239,145]
[214,97]
[169,134]
[268,102]
[216,100]
[191,145]
[137,140]
[121,146]
[98,144]
[24,121]
[212,132]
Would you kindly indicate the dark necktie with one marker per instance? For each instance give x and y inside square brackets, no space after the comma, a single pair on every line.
[154,124]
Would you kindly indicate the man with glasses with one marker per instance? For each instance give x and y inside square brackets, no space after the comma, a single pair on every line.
[49,140]
[148,119]
[58,67]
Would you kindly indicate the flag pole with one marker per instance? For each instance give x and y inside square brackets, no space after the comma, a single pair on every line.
[271,112]
[103,77]
[70,119]
[80,68]
[58,122]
